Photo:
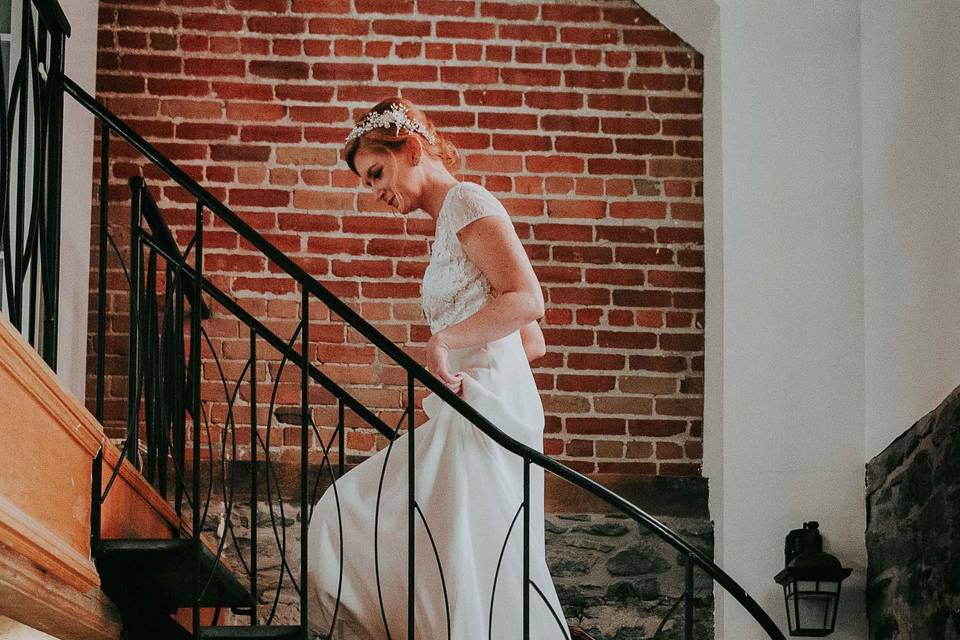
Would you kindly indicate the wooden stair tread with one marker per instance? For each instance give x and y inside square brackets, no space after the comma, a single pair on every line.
[160,572]
[267,632]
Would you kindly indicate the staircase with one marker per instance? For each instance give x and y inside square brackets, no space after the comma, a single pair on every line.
[183,447]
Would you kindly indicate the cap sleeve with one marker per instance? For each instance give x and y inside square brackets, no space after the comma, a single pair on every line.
[472,202]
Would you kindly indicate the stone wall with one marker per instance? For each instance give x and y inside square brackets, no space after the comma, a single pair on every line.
[913,531]
[619,581]
[616,580]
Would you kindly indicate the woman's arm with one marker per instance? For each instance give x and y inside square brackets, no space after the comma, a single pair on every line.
[533,343]
[491,243]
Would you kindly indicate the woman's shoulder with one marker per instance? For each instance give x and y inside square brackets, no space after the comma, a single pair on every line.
[474,201]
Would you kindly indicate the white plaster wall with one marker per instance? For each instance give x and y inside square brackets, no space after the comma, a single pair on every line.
[78,144]
[713,303]
[77,190]
[832,200]
[911,211]
[792,300]
[783,406]
[13,630]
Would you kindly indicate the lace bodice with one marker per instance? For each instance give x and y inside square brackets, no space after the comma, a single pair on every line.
[453,287]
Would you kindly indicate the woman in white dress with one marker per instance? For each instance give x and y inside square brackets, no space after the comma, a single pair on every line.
[482,301]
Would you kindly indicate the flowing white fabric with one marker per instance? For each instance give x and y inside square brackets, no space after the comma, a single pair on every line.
[468,488]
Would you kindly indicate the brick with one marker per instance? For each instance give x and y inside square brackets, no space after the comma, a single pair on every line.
[280,69]
[213,67]
[651,37]
[576,208]
[403,28]
[532,77]
[608,166]
[255,111]
[205,131]
[597,426]
[675,279]
[515,142]
[581,124]
[529,55]
[178,87]
[471,30]
[212,22]
[229,153]
[275,24]
[527,32]
[656,428]
[472,75]
[508,11]
[596,361]
[339,26]
[569,13]
[583,144]
[579,254]
[145,18]
[407,73]
[300,93]
[461,8]
[590,36]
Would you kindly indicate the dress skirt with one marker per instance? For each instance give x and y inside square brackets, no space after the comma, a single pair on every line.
[469,491]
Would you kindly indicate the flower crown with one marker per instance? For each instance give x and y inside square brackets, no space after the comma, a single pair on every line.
[397,115]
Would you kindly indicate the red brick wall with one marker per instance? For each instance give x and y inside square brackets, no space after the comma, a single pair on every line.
[584,119]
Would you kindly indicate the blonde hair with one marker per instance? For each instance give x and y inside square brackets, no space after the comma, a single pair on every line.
[392,140]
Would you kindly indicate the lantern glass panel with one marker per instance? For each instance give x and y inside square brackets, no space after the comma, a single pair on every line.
[829,586]
[810,612]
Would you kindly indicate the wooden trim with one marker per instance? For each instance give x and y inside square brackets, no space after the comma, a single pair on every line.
[132,476]
[39,381]
[33,597]
[37,543]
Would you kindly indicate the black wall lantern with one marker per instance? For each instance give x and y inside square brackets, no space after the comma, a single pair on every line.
[811,583]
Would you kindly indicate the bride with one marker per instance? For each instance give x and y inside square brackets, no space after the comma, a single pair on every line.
[482,301]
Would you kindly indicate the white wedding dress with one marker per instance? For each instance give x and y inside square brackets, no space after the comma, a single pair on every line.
[468,488]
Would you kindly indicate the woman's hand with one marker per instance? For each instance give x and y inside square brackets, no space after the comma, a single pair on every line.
[436,355]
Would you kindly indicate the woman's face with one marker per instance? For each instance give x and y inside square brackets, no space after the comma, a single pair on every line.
[390,176]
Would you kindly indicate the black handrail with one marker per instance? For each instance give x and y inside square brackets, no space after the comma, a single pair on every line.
[414,369]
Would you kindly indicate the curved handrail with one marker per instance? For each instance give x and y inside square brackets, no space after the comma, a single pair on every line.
[415,369]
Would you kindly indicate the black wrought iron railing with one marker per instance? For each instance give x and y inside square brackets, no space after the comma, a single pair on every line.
[159,243]
[32,117]
[190,422]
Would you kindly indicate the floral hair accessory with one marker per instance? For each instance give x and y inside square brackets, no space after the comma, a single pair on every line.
[397,115]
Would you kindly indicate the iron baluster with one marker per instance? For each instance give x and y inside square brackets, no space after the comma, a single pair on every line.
[195,306]
[102,263]
[96,502]
[16,309]
[51,266]
[411,505]
[133,323]
[180,398]
[253,474]
[341,439]
[526,548]
[304,432]
[688,599]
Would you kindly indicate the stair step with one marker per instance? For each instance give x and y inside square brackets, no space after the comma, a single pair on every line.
[150,625]
[160,572]
[271,632]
